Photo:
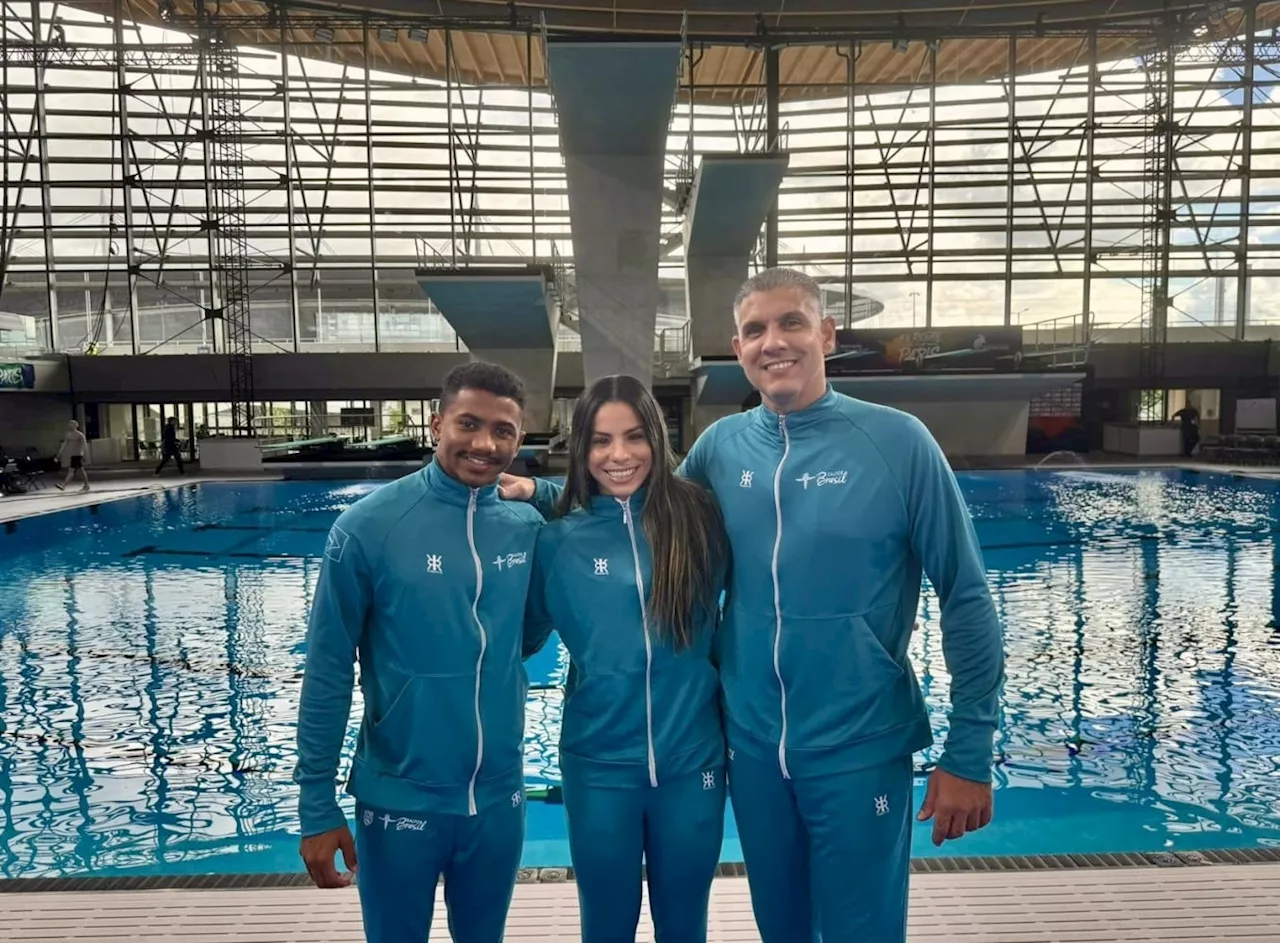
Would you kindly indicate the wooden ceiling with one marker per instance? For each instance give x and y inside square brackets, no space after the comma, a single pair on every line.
[727,66]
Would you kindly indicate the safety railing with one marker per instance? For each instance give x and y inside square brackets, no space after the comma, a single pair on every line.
[1057,342]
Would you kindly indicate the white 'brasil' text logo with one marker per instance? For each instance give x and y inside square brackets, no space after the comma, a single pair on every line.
[402,823]
[511,559]
[824,478]
[435,563]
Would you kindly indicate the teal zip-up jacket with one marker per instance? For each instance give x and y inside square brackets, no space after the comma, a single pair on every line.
[425,581]
[636,712]
[833,512]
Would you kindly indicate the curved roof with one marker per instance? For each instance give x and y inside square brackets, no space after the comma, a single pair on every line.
[497,42]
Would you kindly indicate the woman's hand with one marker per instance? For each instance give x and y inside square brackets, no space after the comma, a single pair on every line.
[514,488]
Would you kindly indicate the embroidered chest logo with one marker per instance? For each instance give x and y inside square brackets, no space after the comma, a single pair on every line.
[824,478]
[511,559]
[882,805]
[435,563]
[709,779]
[602,566]
[745,482]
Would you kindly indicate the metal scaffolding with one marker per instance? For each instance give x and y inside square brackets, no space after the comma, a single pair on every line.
[223,134]
[1159,157]
[321,179]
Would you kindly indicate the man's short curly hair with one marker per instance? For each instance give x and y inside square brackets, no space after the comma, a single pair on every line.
[479,375]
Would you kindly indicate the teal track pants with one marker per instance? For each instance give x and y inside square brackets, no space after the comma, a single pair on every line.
[402,856]
[676,827]
[827,858]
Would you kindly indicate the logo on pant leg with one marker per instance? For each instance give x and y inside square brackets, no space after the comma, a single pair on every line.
[882,805]
[709,779]
[517,797]
[368,816]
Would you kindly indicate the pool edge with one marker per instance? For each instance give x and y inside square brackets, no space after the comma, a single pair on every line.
[929,865]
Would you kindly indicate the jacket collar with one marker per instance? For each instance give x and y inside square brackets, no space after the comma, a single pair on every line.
[448,489]
[799,420]
[607,505]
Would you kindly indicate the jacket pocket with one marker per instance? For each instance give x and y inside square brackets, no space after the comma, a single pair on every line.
[604,719]
[836,673]
[428,733]
[504,692]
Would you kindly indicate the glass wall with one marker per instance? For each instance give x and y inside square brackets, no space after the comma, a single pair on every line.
[1018,200]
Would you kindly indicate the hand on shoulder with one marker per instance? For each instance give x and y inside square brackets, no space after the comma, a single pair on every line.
[515,488]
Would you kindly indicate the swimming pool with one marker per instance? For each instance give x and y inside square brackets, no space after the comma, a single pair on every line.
[151,653]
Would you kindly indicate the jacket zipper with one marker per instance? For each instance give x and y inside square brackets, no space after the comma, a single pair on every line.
[648,646]
[484,642]
[777,594]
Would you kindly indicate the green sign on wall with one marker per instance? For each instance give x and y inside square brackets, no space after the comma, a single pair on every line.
[17,376]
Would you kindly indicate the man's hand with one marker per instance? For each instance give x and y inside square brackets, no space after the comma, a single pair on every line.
[956,805]
[514,488]
[318,852]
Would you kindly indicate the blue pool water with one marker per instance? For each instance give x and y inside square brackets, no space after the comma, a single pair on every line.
[151,650]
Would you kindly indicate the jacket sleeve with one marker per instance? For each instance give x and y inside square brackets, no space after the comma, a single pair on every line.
[545,495]
[343,597]
[537,617]
[944,541]
[694,466]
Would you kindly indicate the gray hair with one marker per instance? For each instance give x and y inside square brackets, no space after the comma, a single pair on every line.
[772,278]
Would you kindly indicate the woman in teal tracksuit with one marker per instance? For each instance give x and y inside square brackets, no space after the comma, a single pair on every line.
[629,571]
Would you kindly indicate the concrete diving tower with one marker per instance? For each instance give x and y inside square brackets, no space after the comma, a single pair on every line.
[731,196]
[506,316]
[613,108]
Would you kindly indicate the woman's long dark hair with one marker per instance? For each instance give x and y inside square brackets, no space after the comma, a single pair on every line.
[682,524]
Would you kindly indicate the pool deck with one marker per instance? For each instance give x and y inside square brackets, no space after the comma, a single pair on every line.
[1240,903]
[48,499]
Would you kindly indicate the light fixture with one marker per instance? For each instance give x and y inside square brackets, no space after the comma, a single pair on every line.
[324,34]
[387,34]
[419,34]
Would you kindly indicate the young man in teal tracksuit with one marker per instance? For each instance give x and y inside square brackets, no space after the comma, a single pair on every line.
[425,581]
[642,749]
[833,508]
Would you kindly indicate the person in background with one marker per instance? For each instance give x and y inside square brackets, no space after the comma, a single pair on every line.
[169,446]
[425,582]
[76,448]
[834,507]
[1189,417]
[629,571]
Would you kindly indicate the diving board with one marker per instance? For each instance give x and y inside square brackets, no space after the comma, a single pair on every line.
[507,308]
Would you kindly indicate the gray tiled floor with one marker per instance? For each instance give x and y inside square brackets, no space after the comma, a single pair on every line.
[1239,903]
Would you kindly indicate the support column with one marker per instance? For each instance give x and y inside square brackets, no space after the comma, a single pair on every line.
[613,107]
[772,89]
[732,197]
